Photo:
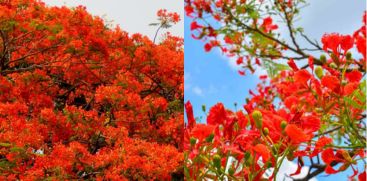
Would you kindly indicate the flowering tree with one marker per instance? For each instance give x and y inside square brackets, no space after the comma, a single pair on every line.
[83,101]
[310,110]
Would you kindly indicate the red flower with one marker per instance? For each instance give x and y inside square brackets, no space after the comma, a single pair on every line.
[202,131]
[194,25]
[263,77]
[189,10]
[354,76]
[346,42]
[320,144]
[361,45]
[310,62]
[242,120]
[350,88]
[268,25]
[296,134]
[330,82]
[328,156]
[263,151]
[302,76]
[217,114]
[239,60]
[208,47]
[190,115]
[290,101]
[362,176]
[330,170]
[310,123]
[292,64]
[323,141]
[331,41]
[228,40]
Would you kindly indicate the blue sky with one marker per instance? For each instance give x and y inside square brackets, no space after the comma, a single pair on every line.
[210,77]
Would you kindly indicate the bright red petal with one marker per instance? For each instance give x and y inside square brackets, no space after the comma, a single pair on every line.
[328,155]
[296,134]
[330,81]
[302,76]
[217,114]
[362,176]
[190,115]
[330,170]
[263,151]
[354,76]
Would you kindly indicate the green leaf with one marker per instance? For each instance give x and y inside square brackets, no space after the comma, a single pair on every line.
[56,28]
[210,138]
[353,103]
[6,165]
[273,68]
[154,24]
[16,149]
[5,144]
[300,29]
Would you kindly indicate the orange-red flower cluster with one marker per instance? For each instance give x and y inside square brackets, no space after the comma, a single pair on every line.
[80,100]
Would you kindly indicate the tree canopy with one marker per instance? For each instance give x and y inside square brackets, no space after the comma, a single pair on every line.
[81,100]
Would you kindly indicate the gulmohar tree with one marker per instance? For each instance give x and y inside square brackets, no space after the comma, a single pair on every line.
[80,100]
[310,110]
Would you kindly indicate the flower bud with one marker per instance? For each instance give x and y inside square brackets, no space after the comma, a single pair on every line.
[333,65]
[348,56]
[346,156]
[247,155]
[269,165]
[209,139]
[290,156]
[230,171]
[248,158]
[319,72]
[203,107]
[344,82]
[192,141]
[283,124]
[217,161]
[258,118]
[323,59]
[266,131]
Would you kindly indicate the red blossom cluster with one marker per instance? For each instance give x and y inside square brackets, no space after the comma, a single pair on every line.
[80,100]
[314,112]
[173,17]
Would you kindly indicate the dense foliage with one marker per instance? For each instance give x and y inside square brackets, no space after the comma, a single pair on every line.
[81,100]
[310,110]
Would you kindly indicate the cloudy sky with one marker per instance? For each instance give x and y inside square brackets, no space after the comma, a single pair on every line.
[133,16]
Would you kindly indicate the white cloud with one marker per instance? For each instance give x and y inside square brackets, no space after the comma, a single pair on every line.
[232,63]
[197,90]
[288,168]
